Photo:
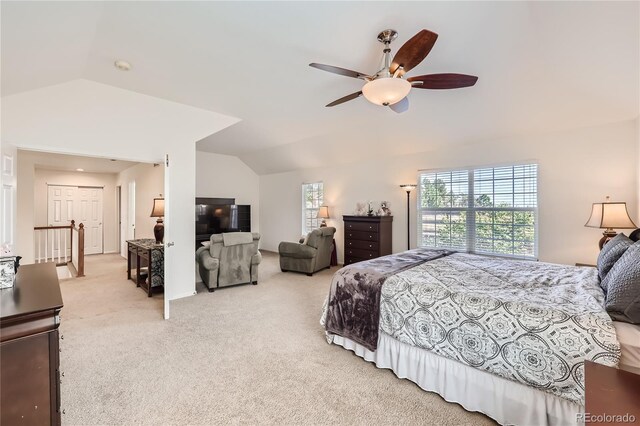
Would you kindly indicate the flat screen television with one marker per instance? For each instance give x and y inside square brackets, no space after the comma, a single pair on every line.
[218,215]
[216,218]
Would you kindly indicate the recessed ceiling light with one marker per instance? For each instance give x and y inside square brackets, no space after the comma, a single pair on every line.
[79,170]
[122,65]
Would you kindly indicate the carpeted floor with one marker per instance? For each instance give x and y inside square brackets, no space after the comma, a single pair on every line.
[241,355]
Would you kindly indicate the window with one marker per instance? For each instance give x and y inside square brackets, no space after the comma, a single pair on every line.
[312,198]
[490,210]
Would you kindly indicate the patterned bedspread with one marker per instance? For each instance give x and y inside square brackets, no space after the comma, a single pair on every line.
[530,322]
[353,306]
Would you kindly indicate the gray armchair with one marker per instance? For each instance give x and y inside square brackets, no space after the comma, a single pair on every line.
[231,258]
[310,257]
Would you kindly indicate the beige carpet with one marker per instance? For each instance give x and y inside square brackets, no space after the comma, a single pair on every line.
[242,355]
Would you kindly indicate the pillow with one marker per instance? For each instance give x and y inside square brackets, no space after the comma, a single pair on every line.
[206,243]
[610,253]
[623,287]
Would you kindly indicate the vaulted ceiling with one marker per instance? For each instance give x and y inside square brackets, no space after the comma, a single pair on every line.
[542,66]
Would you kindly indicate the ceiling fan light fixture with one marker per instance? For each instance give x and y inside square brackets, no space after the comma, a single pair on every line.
[386,90]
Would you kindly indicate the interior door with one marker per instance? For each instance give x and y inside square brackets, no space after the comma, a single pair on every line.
[90,214]
[62,205]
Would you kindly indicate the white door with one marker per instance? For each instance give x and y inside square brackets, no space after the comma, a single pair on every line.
[62,208]
[90,214]
[131,211]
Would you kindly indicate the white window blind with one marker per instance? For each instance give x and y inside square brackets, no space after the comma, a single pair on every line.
[490,210]
[312,199]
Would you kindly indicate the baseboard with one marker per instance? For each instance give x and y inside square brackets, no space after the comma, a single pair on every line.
[183,295]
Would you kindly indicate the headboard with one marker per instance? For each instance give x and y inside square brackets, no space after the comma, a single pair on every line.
[635,235]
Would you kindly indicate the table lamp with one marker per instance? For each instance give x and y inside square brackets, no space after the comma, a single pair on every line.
[158,211]
[323,213]
[607,216]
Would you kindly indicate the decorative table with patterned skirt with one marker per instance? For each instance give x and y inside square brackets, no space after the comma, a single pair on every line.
[145,263]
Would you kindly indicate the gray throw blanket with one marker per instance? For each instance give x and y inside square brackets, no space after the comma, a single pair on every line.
[354,299]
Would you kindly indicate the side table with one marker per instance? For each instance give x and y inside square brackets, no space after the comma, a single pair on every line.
[141,254]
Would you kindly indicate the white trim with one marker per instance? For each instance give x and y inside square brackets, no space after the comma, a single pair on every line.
[7,165]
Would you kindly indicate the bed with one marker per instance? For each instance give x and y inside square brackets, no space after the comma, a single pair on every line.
[503,337]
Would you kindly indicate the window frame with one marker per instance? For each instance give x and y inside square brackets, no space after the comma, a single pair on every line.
[320,200]
[470,209]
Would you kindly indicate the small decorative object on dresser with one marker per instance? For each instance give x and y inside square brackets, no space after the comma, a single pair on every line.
[384,209]
[609,216]
[366,237]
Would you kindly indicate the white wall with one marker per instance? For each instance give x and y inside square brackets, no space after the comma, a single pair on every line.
[43,178]
[226,176]
[576,168]
[149,180]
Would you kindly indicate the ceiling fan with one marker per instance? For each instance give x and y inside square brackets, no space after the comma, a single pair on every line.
[388,87]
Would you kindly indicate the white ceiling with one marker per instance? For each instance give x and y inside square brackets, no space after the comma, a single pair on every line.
[542,66]
[50,161]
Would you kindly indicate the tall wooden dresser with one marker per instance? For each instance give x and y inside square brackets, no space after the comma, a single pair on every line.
[29,348]
[366,237]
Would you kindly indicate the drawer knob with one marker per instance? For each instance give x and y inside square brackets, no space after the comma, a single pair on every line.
[370,245]
[370,255]
[370,227]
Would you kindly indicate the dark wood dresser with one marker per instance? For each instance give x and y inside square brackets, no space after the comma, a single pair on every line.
[30,368]
[366,237]
[612,396]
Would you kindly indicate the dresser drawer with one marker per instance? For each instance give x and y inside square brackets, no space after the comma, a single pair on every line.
[357,244]
[361,235]
[348,260]
[361,226]
[363,254]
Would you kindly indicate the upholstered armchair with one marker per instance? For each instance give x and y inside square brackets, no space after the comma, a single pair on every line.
[308,256]
[231,258]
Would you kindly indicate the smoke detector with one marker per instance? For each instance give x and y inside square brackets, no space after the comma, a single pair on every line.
[122,65]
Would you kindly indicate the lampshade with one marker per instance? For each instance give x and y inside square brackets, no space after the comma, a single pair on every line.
[386,90]
[610,215]
[158,207]
[323,212]
[408,187]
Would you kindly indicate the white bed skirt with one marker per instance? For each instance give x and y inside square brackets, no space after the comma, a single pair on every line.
[503,400]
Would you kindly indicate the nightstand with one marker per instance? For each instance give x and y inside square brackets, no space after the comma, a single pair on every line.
[611,395]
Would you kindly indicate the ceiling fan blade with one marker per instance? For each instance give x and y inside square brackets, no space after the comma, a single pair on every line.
[341,71]
[442,81]
[400,106]
[345,99]
[413,51]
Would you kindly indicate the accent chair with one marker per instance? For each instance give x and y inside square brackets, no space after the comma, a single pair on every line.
[230,258]
[310,255]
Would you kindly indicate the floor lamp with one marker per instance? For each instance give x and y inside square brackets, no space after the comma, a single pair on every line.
[408,187]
